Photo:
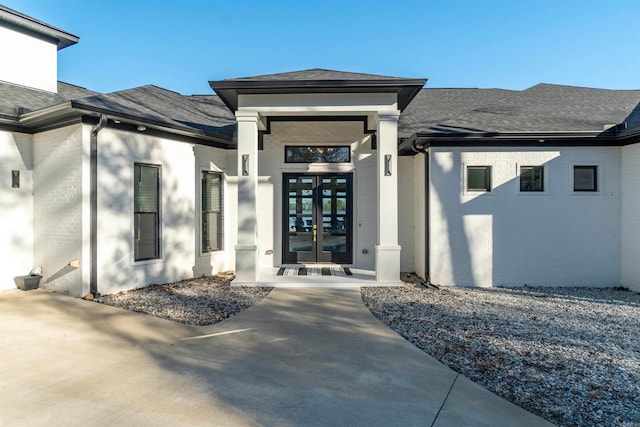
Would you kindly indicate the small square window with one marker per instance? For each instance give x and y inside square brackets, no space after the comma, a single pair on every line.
[585,178]
[531,178]
[478,178]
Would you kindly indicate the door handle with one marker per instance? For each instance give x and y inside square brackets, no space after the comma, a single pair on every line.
[315,232]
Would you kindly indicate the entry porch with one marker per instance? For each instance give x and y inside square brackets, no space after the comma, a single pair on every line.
[317,174]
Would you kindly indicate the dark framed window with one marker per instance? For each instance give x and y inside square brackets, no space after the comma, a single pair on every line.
[317,154]
[585,178]
[146,212]
[212,204]
[478,178]
[531,178]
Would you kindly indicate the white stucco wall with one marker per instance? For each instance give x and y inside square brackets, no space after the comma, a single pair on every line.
[407,199]
[505,237]
[16,207]
[181,170]
[58,157]
[363,166]
[631,216]
[27,60]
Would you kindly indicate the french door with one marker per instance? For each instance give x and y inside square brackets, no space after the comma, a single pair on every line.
[317,218]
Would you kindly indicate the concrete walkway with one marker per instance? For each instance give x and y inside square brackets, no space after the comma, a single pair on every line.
[301,357]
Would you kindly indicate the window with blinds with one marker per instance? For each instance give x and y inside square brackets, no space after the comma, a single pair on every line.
[585,178]
[212,236]
[146,212]
[478,178]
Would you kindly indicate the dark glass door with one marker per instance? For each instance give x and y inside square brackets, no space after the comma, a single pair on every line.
[317,218]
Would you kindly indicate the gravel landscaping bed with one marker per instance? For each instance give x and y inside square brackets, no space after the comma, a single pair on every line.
[569,355]
[201,301]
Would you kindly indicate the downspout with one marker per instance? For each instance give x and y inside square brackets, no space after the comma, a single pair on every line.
[422,147]
[93,203]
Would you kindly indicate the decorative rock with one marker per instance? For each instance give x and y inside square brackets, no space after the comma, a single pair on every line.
[202,301]
[570,355]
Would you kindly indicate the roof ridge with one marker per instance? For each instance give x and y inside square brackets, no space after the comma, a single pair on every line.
[541,84]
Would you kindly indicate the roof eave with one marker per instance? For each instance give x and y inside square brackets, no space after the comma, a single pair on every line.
[418,142]
[159,124]
[497,139]
[228,90]
[14,18]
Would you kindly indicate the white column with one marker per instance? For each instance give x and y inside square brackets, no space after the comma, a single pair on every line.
[247,247]
[387,248]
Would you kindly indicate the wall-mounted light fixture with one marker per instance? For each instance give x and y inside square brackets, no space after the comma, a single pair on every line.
[245,165]
[141,128]
[15,179]
[387,164]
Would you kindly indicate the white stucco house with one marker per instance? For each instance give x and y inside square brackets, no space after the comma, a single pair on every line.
[468,187]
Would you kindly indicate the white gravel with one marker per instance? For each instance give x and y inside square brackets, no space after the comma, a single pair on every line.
[201,301]
[570,355]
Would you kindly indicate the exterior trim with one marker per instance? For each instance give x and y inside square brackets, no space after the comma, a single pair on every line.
[134,120]
[503,140]
[364,119]
[26,23]
[228,90]
[132,127]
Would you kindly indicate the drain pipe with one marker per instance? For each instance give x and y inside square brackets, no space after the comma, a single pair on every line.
[93,203]
[423,147]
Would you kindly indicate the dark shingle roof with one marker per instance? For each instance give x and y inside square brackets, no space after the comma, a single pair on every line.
[548,108]
[69,91]
[164,107]
[543,108]
[199,115]
[315,74]
[21,99]
[434,106]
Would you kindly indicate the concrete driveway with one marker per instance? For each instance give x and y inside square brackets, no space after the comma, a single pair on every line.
[301,357]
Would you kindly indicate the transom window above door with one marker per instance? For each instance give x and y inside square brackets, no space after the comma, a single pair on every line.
[317,154]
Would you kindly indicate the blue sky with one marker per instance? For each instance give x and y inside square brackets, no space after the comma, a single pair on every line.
[181,45]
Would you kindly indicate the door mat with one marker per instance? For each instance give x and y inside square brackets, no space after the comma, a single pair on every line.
[315,271]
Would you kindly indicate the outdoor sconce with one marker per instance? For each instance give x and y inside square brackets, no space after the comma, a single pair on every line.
[15,179]
[245,165]
[387,164]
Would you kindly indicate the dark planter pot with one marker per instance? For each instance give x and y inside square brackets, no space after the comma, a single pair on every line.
[27,283]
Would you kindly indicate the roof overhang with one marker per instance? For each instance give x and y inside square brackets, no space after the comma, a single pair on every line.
[31,25]
[76,112]
[419,142]
[229,90]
